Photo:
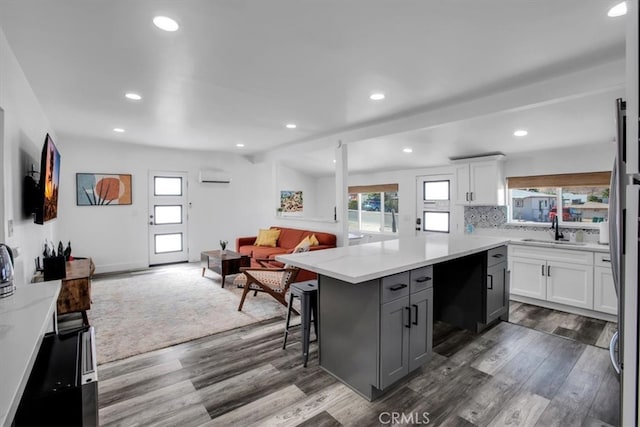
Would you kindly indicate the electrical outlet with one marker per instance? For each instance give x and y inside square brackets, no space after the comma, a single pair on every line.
[10,228]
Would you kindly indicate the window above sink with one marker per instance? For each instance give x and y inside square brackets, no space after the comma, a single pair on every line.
[582,199]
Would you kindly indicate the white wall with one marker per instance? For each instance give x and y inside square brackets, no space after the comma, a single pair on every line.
[22,133]
[584,158]
[116,237]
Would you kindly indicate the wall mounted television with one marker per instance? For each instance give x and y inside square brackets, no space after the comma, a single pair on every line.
[46,204]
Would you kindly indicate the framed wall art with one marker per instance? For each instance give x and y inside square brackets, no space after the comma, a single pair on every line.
[103,189]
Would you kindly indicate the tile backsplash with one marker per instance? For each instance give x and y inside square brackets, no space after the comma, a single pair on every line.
[495,217]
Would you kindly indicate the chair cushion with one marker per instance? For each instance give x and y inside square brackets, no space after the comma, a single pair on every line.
[268,237]
[274,280]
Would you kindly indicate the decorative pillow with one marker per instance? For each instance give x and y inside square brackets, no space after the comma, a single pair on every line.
[268,237]
[304,243]
[314,240]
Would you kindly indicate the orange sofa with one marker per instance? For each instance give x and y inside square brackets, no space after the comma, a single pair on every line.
[287,241]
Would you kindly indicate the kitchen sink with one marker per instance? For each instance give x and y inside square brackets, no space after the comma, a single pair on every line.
[554,242]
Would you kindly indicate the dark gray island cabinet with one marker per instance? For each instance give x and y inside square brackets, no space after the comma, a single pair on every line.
[374,333]
[377,302]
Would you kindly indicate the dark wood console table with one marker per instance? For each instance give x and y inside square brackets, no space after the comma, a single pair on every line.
[75,295]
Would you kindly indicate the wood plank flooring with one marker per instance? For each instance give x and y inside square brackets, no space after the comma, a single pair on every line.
[579,328]
[508,375]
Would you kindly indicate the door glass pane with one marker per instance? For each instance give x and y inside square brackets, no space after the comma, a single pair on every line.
[585,204]
[167,214]
[167,186]
[436,190]
[436,221]
[168,243]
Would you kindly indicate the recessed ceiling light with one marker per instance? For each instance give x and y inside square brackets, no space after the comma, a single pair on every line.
[377,96]
[291,126]
[165,23]
[334,160]
[119,130]
[133,96]
[407,150]
[618,10]
[520,132]
[239,145]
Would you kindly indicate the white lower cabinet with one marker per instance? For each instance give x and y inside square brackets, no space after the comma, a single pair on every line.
[563,276]
[526,277]
[570,284]
[604,292]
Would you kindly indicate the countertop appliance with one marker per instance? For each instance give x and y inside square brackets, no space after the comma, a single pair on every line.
[62,389]
[7,286]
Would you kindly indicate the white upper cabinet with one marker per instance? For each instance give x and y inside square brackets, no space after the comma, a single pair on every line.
[480,183]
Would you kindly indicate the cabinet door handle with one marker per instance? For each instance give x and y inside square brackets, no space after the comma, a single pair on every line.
[423,279]
[466,196]
[606,260]
[408,325]
[542,269]
[498,255]
[490,281]
[548,270]
[397,287]
[471,196]
[415,316]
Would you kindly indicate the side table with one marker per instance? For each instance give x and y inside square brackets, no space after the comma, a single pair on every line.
[224,264]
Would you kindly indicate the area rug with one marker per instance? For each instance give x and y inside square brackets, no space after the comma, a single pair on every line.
[138,312]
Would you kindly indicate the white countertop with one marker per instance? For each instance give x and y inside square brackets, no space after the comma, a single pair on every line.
[25,316]
[356,264]
[587,246]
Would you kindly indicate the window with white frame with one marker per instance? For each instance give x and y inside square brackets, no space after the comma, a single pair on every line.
[572,198]
[373,208]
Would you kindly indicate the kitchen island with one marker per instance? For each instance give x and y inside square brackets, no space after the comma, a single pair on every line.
[377,301]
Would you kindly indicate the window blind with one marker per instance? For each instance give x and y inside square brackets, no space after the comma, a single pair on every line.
[380,188]
[588,179]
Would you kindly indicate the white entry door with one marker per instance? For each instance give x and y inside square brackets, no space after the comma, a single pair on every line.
[167,217]
[433,204]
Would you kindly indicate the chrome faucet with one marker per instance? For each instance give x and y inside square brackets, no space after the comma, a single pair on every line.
[554,225]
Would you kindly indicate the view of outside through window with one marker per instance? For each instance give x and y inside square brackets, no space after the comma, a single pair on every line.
[578,204]
[375,212]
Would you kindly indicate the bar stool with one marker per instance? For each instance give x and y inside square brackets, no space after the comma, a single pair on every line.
[308,294]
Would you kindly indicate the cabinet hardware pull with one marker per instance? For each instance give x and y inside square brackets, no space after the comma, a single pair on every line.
[408,325]
[415,317]
[466,196]
[542,269]
[606,260]
[498,255]
[423,279]
[471,196]
[491,280]
[548,270]
[397,287]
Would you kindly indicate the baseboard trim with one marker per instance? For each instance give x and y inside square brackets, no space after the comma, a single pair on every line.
[567,308]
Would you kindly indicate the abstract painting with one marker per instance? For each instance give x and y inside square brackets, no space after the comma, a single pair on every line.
[101,189]
[291,203]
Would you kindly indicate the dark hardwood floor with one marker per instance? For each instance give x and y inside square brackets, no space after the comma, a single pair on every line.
[508,375]
[586,330]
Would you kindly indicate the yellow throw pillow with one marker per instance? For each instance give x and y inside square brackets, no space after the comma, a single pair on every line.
[314,240]
[268,237]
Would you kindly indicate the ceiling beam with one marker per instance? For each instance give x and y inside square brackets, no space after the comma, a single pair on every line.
[602,78]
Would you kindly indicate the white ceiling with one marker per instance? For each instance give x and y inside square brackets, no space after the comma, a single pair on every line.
[237,71]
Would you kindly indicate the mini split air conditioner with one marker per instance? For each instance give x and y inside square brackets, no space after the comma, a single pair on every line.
[214,176]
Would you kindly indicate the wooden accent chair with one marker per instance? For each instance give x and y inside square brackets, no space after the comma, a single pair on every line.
[273,281]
